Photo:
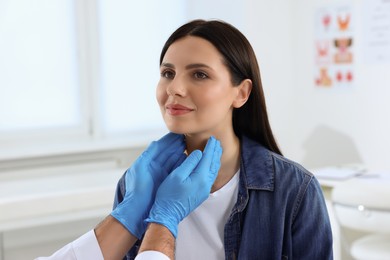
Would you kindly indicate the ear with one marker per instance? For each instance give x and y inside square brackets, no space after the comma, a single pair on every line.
[243,92]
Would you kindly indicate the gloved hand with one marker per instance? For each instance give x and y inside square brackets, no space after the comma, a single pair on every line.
[186,187]
[143,179]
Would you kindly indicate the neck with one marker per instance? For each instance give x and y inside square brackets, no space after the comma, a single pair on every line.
[230,160]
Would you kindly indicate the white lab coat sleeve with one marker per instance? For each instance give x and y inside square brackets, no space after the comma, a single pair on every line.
[85,247]
[151,255]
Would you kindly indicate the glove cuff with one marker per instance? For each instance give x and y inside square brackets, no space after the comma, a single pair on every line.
[164,220]
[136,230]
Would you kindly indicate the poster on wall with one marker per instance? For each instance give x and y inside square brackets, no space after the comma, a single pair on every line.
[376,31]
[334,46]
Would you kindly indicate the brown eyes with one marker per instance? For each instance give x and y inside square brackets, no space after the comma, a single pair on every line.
[168,74]
[200,75]
[171,74]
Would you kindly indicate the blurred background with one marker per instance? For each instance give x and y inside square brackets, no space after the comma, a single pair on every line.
[77,97]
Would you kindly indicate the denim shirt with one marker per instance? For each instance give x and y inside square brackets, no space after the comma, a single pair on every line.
[280,211]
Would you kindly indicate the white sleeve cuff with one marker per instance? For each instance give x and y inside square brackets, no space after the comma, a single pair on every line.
[87,247]
[151,255]
[84,247]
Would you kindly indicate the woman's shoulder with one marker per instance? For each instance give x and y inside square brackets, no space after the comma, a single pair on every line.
[257,155]
[283,163]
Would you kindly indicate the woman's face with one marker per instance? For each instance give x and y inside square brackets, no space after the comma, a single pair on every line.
[195,92]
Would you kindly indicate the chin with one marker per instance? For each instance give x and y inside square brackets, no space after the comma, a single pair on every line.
[177,130]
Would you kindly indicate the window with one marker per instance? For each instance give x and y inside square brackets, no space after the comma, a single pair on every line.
[39,82]
[83,69]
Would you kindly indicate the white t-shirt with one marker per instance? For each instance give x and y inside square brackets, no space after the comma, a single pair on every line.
[201,234]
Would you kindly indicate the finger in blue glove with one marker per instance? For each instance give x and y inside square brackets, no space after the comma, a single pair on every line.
[186,187]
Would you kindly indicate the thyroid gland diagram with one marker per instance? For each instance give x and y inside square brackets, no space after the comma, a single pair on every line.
[343,21]
[343,50]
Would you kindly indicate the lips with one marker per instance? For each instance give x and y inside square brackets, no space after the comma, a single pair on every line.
[177,109]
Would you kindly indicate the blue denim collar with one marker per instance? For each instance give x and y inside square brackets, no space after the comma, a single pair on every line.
[257,165]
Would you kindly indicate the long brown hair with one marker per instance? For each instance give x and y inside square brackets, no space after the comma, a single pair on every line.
[251,119]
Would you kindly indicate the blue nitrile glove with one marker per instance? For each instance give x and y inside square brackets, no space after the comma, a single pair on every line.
[186,187]
[143,179]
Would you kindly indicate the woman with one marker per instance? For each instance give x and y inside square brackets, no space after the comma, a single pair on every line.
[261,206]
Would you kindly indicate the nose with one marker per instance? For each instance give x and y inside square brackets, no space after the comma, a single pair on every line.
[176,87]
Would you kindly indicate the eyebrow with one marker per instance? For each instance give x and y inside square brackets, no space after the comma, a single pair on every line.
[189,66]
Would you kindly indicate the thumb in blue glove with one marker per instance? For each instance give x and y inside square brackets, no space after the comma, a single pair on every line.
[186,187]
